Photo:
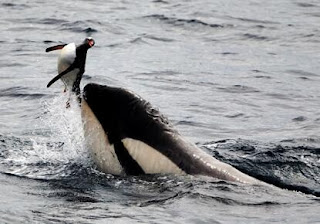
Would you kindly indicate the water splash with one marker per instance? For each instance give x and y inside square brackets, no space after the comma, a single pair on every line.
[56,151]
[65,124]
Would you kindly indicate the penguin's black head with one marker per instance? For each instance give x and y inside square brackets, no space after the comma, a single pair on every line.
[89,42]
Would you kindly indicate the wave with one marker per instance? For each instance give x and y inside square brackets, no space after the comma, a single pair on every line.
[249,20]
[183,22]
[306,5]
[255,37]
[55,151]
[285,165]
[79,27]
[290,166]
[21,92]
[238,89]
[14,5]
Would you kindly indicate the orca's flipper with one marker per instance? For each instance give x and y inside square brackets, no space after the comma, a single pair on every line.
[58,47]
[71,67]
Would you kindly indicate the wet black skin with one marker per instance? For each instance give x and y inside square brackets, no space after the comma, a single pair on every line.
[123,114]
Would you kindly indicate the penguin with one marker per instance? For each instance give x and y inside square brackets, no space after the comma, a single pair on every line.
[71,64]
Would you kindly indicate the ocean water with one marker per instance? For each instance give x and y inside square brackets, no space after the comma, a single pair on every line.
[238,78]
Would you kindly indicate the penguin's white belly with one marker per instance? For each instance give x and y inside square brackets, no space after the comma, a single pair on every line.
[66,58]
[70,78]
[102,152]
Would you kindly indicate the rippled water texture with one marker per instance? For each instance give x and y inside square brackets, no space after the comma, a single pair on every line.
[238,78]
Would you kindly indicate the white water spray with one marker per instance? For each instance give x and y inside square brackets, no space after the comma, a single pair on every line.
[58,147]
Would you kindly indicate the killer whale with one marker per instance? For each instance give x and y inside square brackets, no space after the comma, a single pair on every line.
[126,135]
[143,141]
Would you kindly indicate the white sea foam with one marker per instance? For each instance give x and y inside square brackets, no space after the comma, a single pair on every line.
[51,155]
[65,125]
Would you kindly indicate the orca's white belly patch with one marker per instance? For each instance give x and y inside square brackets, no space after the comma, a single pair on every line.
[96,140]
[149,159]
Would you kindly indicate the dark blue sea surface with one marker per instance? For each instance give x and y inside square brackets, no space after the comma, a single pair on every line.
[239,78]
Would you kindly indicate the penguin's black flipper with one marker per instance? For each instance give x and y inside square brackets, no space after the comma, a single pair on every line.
[71,67]
[53,48]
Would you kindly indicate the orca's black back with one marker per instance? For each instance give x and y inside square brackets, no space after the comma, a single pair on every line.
[123,114]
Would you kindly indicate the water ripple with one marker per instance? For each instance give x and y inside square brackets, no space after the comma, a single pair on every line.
[15,5]
[255,37]
[306,5]
[21,92]
[183,22]
[253,20]
[273,163]
[239,89]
